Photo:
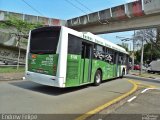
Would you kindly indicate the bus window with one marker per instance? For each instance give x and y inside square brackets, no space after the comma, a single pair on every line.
[44,40]
[114,57]
[74,45]
[86,50]
[122,59]
[106,51]
[110,56]
[99,52]
[99,48]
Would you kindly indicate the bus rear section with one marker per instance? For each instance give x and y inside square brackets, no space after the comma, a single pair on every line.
[42,56]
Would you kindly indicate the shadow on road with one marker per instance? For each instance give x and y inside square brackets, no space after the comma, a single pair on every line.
[46,89]
[32,86]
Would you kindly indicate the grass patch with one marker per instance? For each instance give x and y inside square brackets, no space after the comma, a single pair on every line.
[11,69]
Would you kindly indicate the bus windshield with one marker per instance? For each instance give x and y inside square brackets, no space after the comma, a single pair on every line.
[44,40]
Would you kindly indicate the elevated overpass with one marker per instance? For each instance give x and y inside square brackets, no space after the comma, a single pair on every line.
[135,15]
[32,18]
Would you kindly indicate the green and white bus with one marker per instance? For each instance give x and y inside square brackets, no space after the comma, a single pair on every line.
[62,57]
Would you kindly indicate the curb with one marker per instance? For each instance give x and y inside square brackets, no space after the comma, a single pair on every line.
[142,78]
[14,79]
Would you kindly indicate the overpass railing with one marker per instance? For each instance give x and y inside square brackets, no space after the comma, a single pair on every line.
[30,18]
[130,10]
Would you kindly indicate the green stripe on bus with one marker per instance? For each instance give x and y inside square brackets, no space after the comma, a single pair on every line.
[73,70]
[78,70]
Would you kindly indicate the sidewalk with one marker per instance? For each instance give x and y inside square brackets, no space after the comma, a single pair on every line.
[11,76]
[144,74]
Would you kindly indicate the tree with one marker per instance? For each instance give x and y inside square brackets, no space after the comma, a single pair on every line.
[151,36]
[19,29]
[150,53]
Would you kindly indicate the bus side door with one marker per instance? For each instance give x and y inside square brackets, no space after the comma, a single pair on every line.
[86,62]
[116,65]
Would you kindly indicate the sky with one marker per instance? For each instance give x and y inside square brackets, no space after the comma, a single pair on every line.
[62,9]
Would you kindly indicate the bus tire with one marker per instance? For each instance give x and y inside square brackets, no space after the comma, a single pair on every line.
[97,78]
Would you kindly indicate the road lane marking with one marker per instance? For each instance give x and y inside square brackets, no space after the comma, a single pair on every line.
[137,82]
[147,86]
[143,85]
[100,108]
[152,86]
[131,99]
[145,90]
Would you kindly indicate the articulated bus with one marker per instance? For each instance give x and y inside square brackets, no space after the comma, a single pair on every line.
[62,57]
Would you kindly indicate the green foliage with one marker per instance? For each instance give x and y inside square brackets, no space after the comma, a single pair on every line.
[150,53]
[11,70]
[21,27]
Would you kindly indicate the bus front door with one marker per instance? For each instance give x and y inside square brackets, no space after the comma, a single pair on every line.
[86,63]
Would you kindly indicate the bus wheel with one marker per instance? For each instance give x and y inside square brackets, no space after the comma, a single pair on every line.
[97,78]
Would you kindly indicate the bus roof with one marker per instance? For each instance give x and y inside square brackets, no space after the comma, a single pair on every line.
[94,38]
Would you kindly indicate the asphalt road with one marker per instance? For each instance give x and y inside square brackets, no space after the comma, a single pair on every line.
[146,103]
[145,106]
[21,97]
[142,105]
[29,97]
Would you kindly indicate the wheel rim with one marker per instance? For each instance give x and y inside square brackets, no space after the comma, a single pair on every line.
[98,78]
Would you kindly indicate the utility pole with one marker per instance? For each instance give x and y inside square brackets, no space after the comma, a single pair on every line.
[142,51]
[151,52]
[133,51]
